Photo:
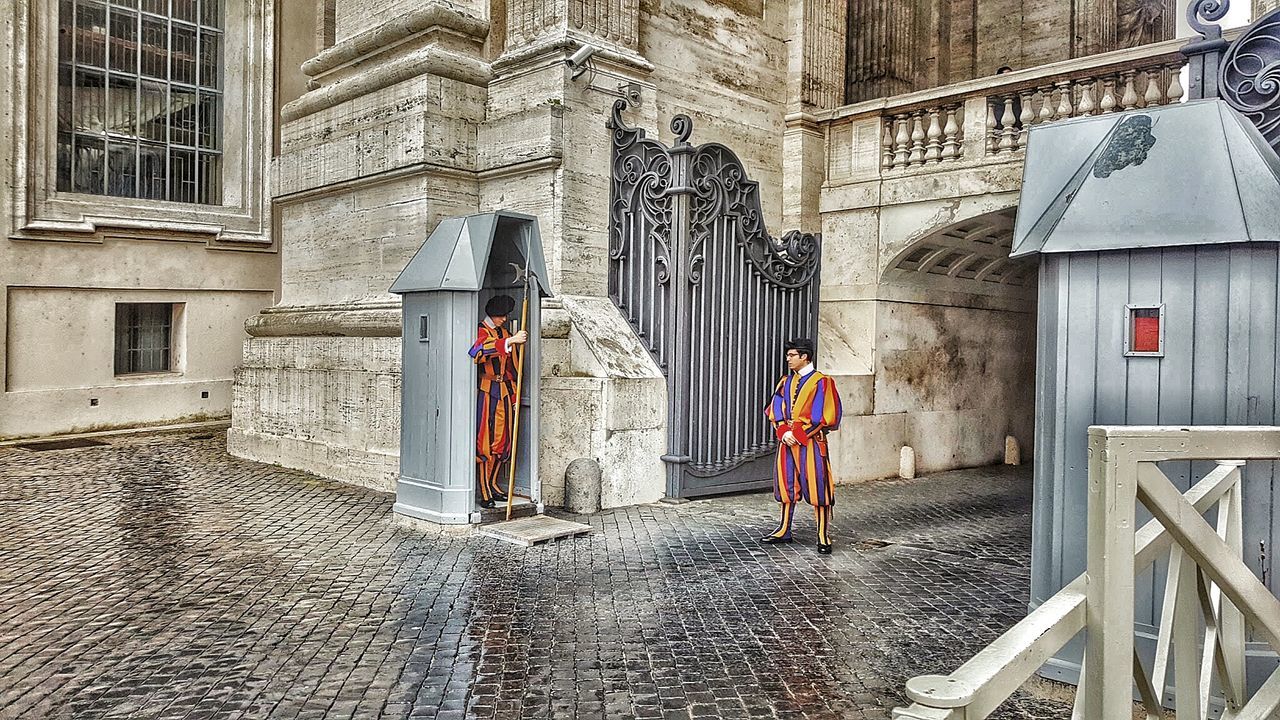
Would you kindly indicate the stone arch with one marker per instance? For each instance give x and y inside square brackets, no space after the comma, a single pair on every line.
[969,256]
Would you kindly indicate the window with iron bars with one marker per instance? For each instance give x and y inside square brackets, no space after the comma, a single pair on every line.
[144,338]
[140,99]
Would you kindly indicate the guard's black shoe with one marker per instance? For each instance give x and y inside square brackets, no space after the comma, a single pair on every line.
[774,540]
[486,504]
[499,497]
[824,549]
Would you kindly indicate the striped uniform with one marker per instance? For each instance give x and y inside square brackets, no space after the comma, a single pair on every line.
[809,407]
[494,404]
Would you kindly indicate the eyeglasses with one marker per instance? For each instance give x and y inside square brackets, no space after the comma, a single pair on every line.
[793,354]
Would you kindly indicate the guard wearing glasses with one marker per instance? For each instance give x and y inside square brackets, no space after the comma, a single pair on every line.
[805,407]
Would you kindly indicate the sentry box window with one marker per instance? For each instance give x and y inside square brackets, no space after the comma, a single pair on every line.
[1144,333]
[422,328]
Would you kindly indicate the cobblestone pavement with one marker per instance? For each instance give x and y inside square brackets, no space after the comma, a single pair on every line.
[157,577]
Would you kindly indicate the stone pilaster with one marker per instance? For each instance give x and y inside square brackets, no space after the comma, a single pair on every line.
[1262,7]
[1094,27]
[881,49]
[815,81]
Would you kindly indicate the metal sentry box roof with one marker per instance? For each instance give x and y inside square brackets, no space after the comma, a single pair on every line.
[456,254]
[1192,174]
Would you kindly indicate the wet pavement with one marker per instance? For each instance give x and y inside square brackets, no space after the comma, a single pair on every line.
[157,577]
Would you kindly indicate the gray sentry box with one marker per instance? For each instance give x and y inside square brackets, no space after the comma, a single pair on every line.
[1158,305]
[464,262]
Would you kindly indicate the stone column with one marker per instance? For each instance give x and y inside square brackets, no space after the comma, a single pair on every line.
[380,147]
[815,81]
[1094,27]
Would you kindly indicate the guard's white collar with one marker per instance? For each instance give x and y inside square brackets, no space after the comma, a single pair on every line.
[488,321]
[804,371]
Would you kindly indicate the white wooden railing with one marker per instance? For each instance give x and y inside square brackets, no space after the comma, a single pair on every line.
[1210,594]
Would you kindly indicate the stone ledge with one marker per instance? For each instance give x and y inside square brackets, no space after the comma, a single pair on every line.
[334,322]
[384,36]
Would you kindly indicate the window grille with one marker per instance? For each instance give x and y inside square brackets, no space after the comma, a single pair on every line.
[144,337]
[140,99]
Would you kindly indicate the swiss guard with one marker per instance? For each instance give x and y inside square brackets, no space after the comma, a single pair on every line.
[496,395]
[805,407]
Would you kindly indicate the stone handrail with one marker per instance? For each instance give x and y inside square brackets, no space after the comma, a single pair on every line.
[987,119]
[1210,594]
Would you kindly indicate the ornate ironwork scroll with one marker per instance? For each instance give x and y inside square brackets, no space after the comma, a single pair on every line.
[1250,76]
[711,294]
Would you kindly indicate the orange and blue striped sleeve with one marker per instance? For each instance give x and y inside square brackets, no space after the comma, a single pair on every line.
[776,410]
[488,344]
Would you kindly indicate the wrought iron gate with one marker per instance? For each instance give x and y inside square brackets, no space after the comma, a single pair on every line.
[711,295]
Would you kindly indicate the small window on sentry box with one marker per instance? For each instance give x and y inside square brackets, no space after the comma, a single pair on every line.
[422,328]
[1144,335]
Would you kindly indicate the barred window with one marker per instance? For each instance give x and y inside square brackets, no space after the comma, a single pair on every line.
[144,338]
[140,99]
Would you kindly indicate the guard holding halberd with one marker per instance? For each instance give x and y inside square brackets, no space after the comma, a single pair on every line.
[495,397]
[804,408]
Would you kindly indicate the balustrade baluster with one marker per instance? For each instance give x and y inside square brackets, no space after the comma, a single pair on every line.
[951,135]
[1108,102]
[992,138]
[1027,117]
[1046,104]
[902,142]
[1175,84]
[1008,126]
[933,149]
[917,139]
[1064,100]
[1155,87]
[1086,106]
[1129,100]
[886,144]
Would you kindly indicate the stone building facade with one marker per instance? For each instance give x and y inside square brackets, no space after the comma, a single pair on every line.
[135,213]
[403,113]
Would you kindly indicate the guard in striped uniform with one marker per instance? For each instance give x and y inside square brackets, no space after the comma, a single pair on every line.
[805,407]
[495,397]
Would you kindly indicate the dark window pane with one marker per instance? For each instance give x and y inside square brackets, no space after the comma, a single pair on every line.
[210,55]
[66,91]
[90,102]
[66,31]
[122,106]
[91,34]
[182,175]
[152,126]
[211,13]
[88,160]
[153,111]
[124,41]
[122,164]
[210,117]
[182,117]
[152,160]
[182,54]
[143,337]
[155,48]
[185,10]
[210,179]
[64,162]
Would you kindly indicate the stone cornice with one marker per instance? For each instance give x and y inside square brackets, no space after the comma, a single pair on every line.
[566,42]
[429,60]
[379,39]
[363,320]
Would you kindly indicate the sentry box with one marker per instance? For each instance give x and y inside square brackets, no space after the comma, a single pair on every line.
[1157,233]
[464,262]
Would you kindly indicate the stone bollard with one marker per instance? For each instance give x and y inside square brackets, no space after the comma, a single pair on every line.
[1012,453]
[907,463]
[582,486]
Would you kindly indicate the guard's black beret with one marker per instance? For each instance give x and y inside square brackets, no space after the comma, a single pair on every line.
[804,346]
[499,306]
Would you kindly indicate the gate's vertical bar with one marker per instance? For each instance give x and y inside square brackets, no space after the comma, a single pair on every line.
[678,315]
[1109,614]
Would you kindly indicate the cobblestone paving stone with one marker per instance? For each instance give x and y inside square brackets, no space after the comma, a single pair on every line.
[157,577]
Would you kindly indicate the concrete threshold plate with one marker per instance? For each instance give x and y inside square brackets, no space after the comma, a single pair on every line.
[532,530]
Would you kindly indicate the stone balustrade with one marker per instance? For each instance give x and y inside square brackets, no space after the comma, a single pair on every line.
[988,119]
